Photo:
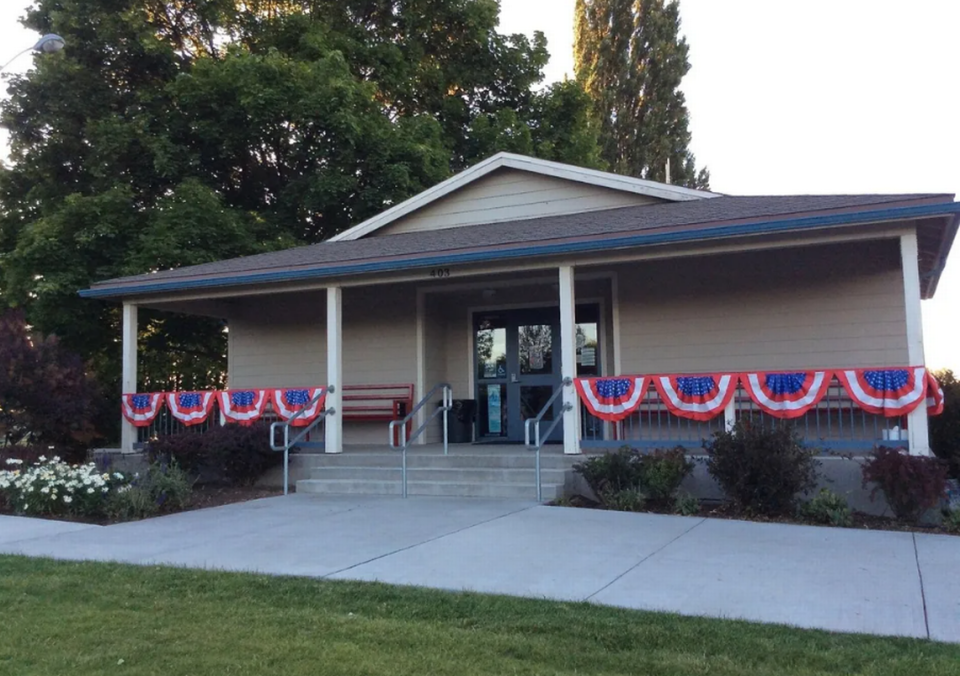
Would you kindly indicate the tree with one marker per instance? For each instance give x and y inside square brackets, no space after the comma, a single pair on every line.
[630,58]
[176,132]
[46,395]
[945,428]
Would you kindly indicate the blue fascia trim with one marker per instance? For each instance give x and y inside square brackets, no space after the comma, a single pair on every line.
[763,227]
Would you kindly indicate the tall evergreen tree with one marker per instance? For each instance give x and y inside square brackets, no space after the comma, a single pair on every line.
[630,58]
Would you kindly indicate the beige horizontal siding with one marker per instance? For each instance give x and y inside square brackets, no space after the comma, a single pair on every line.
[281,342]
[825,306]
[508,195]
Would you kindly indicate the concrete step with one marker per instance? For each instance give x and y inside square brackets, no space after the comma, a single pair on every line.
[415,460]
[431,488]
[451,474]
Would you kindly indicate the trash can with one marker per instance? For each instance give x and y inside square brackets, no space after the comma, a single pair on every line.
[460,421]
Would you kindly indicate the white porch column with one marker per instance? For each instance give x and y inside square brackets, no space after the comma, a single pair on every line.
[917,430]
[333,426]
[128,433]
[568,359]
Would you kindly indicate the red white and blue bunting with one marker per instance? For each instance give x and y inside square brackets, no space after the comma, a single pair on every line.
[190,408]
[287,403]
[787,395]
[612,399]
[141,409]
[696,397]
[243,406]
[888,392]
[934,396]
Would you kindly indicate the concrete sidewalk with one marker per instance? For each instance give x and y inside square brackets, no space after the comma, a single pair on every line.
[842,580]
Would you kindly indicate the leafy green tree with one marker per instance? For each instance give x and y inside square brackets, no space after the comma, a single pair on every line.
[630,58]
[176,132]
[945,428]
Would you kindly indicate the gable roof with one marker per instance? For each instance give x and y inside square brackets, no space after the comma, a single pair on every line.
[619,228]
[603,179]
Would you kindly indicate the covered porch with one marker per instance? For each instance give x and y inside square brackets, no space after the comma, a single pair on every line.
[508,340]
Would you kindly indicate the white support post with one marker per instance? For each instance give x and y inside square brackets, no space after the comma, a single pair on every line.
[128,433]
[333,426]
[568,359]
[421,383]
[730,414]
[917,430]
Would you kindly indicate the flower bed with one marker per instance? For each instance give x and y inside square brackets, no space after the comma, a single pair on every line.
[52,487]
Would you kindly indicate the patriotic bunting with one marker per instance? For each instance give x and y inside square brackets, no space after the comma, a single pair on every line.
[141,409]
[243,406]
[696,397]
[934,396]
[887,392]
[190,408]
[787,395]
[288,402]
[611,399]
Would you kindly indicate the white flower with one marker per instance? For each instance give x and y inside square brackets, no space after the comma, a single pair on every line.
[42,458]
[90,491]
[14,461]
[67,499]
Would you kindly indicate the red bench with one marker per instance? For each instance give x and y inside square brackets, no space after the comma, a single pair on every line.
[378,403]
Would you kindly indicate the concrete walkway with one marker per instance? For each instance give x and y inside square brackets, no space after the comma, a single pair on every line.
[842,580]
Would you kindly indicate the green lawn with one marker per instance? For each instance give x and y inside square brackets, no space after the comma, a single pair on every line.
[89,618]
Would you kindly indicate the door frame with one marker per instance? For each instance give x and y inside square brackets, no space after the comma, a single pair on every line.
[513,388]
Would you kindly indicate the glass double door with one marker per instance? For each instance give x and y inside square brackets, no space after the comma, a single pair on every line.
[518,367]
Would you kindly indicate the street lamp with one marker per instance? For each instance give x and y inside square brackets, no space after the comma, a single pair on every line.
[48,44]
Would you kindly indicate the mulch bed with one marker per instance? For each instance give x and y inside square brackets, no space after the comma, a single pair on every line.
[724,510]
[203,496]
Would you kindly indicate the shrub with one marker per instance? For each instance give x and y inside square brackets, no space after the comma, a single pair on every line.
[911,484]
[951,520]
[662,472]
[623,500]
[55,488]
[234,454]
[163,488]
[686,505]
[762,469]
[945,428]
[611,472]
[828,508]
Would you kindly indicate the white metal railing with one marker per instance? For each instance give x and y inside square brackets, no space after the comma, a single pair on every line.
[289,443]
[534,423]
[405,441]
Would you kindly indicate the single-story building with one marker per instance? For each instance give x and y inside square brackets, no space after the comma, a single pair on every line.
[680,310]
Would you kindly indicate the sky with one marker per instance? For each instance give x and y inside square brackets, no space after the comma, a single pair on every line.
[791,97]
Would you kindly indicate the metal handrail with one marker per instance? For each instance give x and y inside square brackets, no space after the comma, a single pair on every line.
[445,409]
[290,443]
[535,422]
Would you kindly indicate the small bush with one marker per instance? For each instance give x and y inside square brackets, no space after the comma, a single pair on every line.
[828,508]
[686,505]
[951,520]
[52,487]
[623,500]
[661,473]
[233,454]
[611,472]
[762,469]
[911,484]
[163,488]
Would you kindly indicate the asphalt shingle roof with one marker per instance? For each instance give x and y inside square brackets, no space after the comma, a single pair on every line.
[668,216]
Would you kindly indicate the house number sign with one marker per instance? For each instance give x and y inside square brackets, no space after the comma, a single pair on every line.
[440,273]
